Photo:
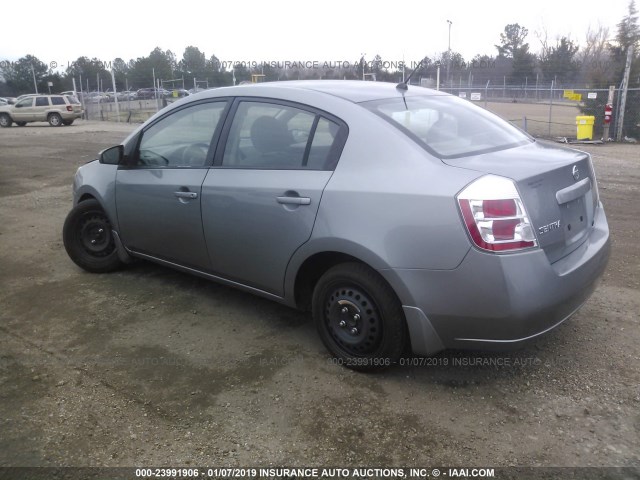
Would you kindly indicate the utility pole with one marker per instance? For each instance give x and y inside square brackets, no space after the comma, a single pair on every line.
[449,50]
[625,87]
[35,84]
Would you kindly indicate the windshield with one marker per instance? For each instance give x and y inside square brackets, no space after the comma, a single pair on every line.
[448,126]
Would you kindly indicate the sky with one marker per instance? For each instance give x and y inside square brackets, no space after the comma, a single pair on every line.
[280,30]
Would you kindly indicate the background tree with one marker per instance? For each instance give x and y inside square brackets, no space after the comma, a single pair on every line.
[18,75]
[120,72]
[512,40]
[162,62]
[193,63]
[241,74]
[628,35]
[94,75]
[558,62]
[219,76]
[595,58]
[513,45]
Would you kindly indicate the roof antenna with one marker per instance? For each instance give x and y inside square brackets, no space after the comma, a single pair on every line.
[403,85]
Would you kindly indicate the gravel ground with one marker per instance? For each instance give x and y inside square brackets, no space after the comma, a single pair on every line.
[149,366]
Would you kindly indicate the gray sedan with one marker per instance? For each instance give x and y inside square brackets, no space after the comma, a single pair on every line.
[404,219]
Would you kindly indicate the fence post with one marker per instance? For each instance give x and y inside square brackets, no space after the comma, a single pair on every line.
[550,106]
[623,101]
[486,92]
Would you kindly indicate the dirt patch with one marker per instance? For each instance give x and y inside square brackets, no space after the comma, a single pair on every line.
[148,366]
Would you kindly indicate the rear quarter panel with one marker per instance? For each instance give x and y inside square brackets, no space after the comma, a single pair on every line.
[389,203]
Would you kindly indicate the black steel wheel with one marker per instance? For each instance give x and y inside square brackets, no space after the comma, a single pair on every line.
[359,318]
[88,238]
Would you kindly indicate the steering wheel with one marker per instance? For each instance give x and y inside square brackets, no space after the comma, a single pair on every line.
[195,154]
[151,158]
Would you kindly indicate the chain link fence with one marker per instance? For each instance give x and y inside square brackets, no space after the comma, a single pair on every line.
[540,110]
[551,112]
[131,110]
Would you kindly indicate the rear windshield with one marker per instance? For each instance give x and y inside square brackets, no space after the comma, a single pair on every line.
[448,126]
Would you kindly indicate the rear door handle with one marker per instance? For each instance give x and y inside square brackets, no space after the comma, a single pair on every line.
[190,195]
[294,200]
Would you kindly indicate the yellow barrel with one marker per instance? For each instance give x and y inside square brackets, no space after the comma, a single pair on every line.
[585,127]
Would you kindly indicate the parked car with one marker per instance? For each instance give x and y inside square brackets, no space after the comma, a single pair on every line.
[148,93]
[401,217]
[178,93]
[56,109]
[27,95]
[96,97]
[4,101]
[126,95]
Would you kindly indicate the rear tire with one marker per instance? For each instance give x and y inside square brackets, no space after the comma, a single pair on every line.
[5,120]
[55,120]
[88,239]
[359,318]
[21,124]
[67,122]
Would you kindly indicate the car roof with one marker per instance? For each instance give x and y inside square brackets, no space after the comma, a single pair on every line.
[352,90]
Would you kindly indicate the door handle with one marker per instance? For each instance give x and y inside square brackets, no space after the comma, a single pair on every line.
[190,195]
[294,200]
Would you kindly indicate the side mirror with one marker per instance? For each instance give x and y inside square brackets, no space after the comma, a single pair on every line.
[112,156]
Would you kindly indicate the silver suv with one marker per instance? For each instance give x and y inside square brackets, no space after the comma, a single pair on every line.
[56,109]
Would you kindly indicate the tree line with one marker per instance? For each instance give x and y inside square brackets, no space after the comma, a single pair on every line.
[598,62]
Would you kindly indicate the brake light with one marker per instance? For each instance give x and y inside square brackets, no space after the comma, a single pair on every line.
[69,108]
[495,216]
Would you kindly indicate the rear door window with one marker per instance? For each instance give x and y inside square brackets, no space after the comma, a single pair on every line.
[279,136]
[42,101]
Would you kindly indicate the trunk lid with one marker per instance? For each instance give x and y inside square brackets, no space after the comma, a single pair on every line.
[557,186]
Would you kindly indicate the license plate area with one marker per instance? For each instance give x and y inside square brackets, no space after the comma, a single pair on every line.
[574,219]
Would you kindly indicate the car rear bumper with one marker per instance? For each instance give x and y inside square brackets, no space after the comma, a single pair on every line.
[499,300]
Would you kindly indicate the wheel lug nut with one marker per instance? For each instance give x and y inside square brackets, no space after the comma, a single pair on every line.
[342,323]
[345,310]
[100,230]
[356,317]
[354,331]
[93,242]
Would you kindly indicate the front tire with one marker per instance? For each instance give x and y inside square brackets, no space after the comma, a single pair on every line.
[21,124]
[88,239]
[359,318]
[55,120]
[5,120]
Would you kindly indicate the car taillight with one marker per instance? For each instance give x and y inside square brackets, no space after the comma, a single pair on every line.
[495,216]
[69,108]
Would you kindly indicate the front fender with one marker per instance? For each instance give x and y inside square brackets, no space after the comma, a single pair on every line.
[98,181]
